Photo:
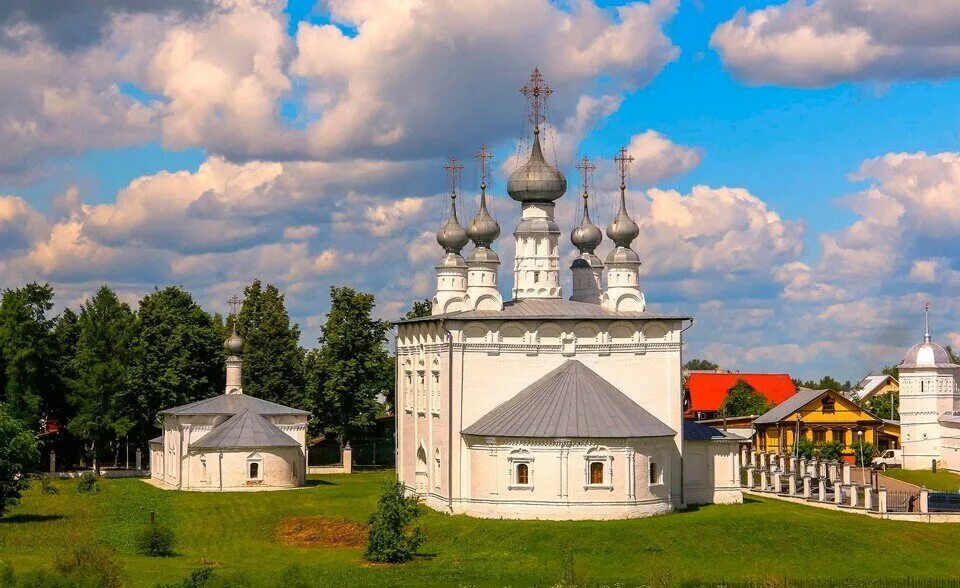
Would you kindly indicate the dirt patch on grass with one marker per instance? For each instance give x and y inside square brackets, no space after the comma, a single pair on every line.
[321,532]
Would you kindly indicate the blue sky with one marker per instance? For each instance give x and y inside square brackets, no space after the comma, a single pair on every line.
[309,140]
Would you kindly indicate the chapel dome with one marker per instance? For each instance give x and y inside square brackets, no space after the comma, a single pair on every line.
[586,236]
[452,236]
[927,354]
[233,344]
[483,229]
[536,180]
[622,230]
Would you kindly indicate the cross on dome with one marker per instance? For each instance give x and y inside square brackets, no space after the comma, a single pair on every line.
[536,91]
[483,156]
[623,162]
[586,168]
[453,175]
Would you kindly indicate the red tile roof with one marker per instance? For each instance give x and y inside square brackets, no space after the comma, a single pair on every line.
[707,390]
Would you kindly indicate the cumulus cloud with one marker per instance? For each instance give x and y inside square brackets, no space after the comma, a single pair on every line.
[825,42]
[657,158]
[387,93]
[20,225]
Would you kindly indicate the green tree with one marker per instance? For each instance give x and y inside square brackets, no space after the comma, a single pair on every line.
[884,405]
[18,456]
[863,452]
[891,370]
[179,357]
[26,348]
[804,448]
[101,372]
[272,356]
[65,336]
[743,400]
[389,540]
[830,450]
[700,364]
[351,366]
[420,308]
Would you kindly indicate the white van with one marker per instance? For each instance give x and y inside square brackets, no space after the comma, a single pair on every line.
[891,458]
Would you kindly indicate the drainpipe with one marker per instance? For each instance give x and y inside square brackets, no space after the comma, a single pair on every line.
[221,470]
[450,413]
[683,498]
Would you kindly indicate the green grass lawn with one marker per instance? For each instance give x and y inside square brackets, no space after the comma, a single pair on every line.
[763,538]
[942,480]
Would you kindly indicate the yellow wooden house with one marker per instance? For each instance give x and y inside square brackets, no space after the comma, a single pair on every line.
[822,416]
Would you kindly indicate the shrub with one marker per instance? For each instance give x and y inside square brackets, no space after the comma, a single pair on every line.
[389,541]
[863,452]
[830,450]
[804,448]
[88,566]
[18,455]
[47,487]
[87,483]
[156,540]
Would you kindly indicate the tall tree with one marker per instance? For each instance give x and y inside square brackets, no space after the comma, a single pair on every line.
[743,400]
[351,366]
[18,456]
[420,308]
[26,348]
[272,356]
[102,379]
[65,335]
[179,357]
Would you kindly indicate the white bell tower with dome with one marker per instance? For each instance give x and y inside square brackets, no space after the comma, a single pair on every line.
[452,269]
[234,346]
[537,185]
[586,269]
[623,264]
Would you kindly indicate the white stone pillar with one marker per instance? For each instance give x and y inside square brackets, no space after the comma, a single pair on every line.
[882,500]
[806,487]
[763,480]
[847,474]
[924,500]
[803,466]
[838,494]
[750,472]
[53,461]
[792,485]
[794,464]
[853,489]
[867,497]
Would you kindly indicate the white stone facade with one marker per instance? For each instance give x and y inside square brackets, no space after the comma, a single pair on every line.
[536,272]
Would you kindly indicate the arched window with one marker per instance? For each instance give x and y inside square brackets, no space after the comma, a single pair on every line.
[254,467]
[523,474]
[596,472]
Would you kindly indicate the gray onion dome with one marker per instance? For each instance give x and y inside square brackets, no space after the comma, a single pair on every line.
[233,344]
[536,180]
[451,236]
[483,229]
[587,236]
[622,230]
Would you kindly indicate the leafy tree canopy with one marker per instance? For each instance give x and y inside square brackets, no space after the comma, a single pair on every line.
[884,405]
[743,400]
[26,350]
[420,308]
[351,366]
[272,356]
[700,364]
[18,456]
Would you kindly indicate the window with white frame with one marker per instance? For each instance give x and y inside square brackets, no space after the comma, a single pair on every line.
[598,468]
[254,468]
[521,470]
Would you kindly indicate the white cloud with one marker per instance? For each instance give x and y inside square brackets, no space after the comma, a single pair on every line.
[825,42]
[657,158]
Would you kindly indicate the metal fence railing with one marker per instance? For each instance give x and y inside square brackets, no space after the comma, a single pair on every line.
[903,501]
[943,502]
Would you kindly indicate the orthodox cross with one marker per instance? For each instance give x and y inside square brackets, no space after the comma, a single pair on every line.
[586,168]
[453,175]
[536,91]
[234,303]
[483,157]
[623,162]
[926,321]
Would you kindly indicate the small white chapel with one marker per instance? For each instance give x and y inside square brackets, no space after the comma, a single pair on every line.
[546,407]
[230,442]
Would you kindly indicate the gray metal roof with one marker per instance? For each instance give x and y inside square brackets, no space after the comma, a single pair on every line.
[570,401]
[694,431]
[792,404]
[156,440]
[550,308]
[927,354]
[242,431]
[233,404]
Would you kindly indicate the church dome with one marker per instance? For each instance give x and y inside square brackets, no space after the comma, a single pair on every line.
[623,255]
[536,180]
[483,229]
[622,230]
[587,236]
[927,354]
[233,344]
[452,236]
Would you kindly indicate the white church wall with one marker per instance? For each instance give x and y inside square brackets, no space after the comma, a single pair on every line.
[925,395]
[711,472]
[279,467]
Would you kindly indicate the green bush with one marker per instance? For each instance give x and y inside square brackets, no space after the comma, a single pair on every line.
[863,452]
[389,541]
[47,487]
[804,448]
[87,566]
[87,483]
[156,540]
[829,451]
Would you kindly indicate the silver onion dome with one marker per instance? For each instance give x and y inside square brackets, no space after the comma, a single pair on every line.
[483,229]
[536,180]
[622,230]
[233,344]
[587,236]
[451,236]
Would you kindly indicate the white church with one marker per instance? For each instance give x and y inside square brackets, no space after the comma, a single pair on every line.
[929,406]
[230,442]
[545,407]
